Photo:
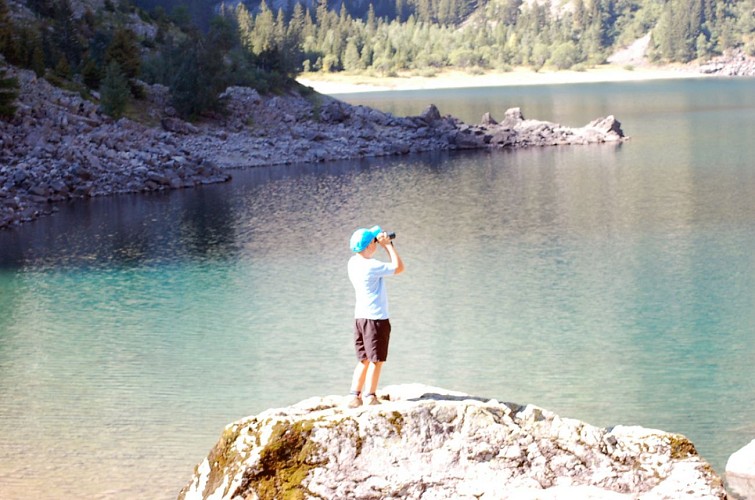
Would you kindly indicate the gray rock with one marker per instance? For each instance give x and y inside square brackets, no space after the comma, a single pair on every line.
[740,472]
[609,126]
[158,178]
[487,119]
[430,115]
[430,443]
[334,112]
[512,118]
[178,126]
[467,139]
[41,190]
[735,62]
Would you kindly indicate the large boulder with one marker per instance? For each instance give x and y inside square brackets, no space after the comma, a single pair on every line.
[431,114]
[740,472]
[609,127]
[430,443]
[512,118]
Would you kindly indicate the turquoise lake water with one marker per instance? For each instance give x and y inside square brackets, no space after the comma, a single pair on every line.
[610,283]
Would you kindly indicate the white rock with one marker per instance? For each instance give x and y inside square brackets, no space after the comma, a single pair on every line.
[429,443]
[740,472]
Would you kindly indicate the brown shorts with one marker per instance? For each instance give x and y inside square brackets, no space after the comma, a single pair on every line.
[371,337]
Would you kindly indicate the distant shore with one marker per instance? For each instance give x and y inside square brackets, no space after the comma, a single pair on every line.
[343,83]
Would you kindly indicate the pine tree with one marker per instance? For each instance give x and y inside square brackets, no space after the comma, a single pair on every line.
[91,73]
[245,25]
[199,79]
[62,68]
[263,34]
[321,15]
[295,28]
[37,62]
[67,33]
[124,50]
[351,58]
[8,45]
[371,23]
[114,91]
[8,95]
[279,32]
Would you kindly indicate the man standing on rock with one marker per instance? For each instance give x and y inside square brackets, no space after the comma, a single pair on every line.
[372,328]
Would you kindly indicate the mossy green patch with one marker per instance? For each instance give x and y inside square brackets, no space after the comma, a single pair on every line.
[681,447]
[284,463]
[220,457]
[396,419]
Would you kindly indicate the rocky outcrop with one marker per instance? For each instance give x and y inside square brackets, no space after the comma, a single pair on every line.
[733,63]
[59,146]
[517,132]
[259,131]
[740,472]
[429,443]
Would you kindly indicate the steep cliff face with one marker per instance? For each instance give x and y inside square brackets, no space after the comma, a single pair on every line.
[425,442]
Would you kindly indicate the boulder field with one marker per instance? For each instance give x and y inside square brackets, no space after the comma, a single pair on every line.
[430,443]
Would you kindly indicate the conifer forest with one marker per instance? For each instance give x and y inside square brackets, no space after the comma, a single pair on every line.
[199,47]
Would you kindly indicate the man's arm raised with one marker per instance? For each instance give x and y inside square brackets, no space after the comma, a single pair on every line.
[386,243]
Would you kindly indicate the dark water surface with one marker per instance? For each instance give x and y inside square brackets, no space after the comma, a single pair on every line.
[614,284]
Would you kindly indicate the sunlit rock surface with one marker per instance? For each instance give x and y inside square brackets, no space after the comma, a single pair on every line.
[740,472]
[430,443]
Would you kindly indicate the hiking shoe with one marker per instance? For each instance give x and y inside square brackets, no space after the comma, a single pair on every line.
[355,402]
[372,400]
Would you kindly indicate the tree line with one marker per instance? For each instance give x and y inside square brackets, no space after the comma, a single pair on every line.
[428,35]
[265,49]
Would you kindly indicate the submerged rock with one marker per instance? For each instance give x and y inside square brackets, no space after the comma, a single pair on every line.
[740,472]
[430,443]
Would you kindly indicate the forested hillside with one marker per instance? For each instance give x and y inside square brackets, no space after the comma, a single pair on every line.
[100,46]
[433,34]
[198,47]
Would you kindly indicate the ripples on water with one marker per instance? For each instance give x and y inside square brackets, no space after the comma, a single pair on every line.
[611,284]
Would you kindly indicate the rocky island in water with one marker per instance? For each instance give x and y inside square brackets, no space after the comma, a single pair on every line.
[430,443]
[60,147]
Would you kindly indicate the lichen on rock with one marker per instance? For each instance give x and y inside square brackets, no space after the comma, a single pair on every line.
[284,462]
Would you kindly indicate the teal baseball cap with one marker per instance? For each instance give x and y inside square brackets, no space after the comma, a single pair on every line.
[362,238]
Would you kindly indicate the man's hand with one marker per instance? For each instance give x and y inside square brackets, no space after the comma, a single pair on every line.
[383,239]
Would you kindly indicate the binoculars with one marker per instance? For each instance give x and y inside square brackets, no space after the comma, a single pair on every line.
[390,235]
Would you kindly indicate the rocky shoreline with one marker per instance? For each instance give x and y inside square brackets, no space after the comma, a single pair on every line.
[60,147]
[427,442]
[735,63]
